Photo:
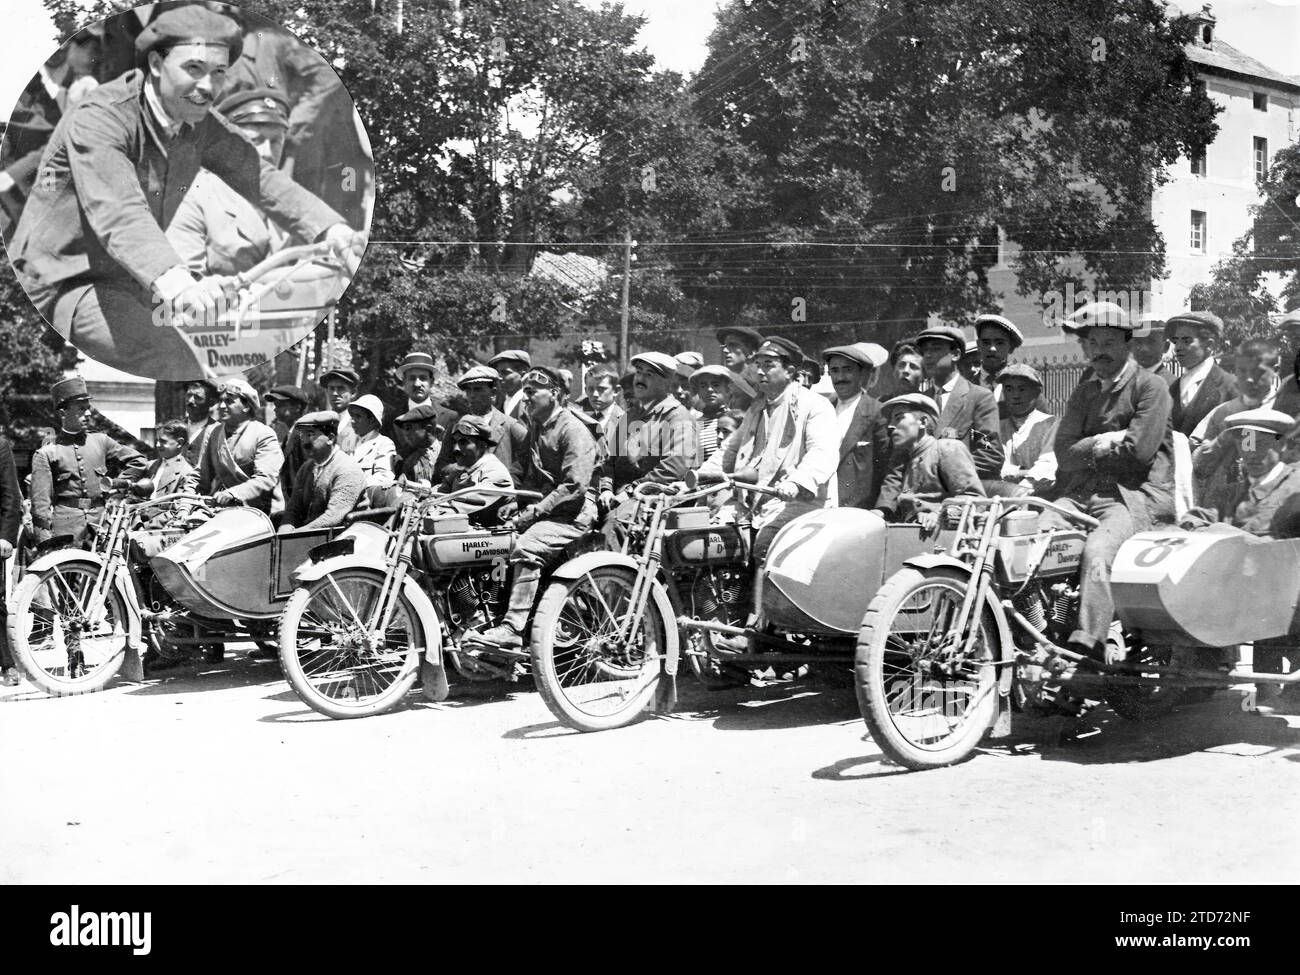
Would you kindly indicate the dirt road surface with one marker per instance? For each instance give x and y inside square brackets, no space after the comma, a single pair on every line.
[225,776]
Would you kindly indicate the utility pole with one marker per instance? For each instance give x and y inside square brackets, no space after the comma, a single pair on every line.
[627,281]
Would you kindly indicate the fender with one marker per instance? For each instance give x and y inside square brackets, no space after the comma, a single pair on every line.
[1007,647]
[373,564]
[121,582]
[659,592]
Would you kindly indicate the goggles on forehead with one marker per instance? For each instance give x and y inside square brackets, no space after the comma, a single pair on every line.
[535,377]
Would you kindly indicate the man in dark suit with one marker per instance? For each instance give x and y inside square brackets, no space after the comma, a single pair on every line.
[509,437]
[966,412]
[416,372]
[864,433]
[90,247]
[1203,384]
[11,514]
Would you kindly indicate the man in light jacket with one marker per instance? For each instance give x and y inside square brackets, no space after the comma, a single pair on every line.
[788,435]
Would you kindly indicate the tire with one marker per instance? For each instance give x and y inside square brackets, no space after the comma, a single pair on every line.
[930,738]
[587,686]
[44,629]
[320,649]
[1148,700]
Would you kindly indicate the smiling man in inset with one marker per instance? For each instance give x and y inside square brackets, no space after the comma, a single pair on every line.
[91,249]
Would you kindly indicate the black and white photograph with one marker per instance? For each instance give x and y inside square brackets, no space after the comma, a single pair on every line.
[783,442]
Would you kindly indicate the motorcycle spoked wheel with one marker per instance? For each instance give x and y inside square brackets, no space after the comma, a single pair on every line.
[924,708]
[587,683]
[324,649]
[1149,699]
[63,646]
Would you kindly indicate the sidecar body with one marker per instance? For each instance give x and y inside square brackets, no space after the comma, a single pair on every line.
[1214,587]
[235,566]
[825,567]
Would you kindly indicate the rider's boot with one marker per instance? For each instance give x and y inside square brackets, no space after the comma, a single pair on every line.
[509,633]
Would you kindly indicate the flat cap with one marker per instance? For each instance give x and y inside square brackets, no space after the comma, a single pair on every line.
[911,401]
[416,360]
[288,393]
[243,389]
[371,404]
[1196,319]
[194,25]
[946,333]
[349,376]
[1098,314]
[423,413]
[1264,420]
[1020,370]
[476,427]
[722,372]
[255,105]
[325,419]
[856,353]
[782,348]
[687,363]
[660,362]
[748,336]
[1002,322]
[478,374]
[515,357]
[74,387]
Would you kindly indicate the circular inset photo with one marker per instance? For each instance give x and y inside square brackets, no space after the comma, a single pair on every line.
[188,190]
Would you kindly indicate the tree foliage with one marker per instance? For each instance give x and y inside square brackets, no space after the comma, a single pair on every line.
[919,127]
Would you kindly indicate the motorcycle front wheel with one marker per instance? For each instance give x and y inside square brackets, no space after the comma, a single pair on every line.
[926,703]
[331,651]
[589,680]
[63,643]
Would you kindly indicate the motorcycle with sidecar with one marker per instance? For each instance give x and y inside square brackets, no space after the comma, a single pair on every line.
[198,579]
[956,637]
[364,622]
[611,630]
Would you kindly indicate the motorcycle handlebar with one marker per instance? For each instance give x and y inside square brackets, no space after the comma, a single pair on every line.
[1077,517]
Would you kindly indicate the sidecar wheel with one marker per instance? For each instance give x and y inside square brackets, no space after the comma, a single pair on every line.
[57,655]
[325,651]
[924,707]
[588,684]
[1148,700]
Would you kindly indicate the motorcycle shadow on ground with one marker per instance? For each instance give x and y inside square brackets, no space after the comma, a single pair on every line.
[236,670]
[1218,726]
[463,694]
[766,706]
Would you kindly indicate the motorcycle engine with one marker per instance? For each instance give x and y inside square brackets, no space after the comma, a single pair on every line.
[466,595]
[720,594]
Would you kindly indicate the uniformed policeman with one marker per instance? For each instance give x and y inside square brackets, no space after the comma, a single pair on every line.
[217,231]
[66,474]
[90,248]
